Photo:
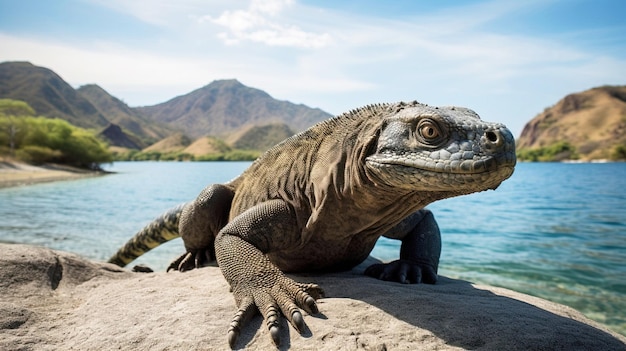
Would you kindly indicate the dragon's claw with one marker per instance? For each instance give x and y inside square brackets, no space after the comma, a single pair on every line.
[191,259]
[403,271]
[272,302]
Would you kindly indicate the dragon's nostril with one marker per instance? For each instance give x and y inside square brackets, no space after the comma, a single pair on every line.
[492,136]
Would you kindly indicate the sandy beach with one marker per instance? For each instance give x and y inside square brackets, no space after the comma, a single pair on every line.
[15,173]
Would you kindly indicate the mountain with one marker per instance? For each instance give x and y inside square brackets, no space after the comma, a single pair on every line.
[224,106]
[592,122]
[249,117]
[52,97]
[48,94]
[118,113]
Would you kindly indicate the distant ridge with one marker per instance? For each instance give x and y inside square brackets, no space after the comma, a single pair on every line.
[48,94]
[224,106]
[592,122]
[118,113]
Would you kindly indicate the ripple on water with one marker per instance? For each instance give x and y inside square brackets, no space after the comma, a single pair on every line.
[557,231]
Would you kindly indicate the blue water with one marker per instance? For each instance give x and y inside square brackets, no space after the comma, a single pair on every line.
[553,230]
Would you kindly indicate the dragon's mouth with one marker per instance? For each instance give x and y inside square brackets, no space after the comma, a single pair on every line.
[469,167]
[463,179]
[460,177]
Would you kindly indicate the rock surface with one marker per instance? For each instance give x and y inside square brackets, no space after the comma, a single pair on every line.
[52,300]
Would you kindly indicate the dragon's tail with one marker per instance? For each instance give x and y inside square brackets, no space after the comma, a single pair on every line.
[162,229]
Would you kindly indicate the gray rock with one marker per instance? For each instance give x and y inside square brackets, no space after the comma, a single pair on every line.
[52,300]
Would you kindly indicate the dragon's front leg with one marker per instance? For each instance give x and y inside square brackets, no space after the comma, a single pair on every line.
[241,248]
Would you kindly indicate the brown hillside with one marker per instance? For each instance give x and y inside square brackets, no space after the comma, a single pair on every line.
[205,146]
[592,121]
[259,137]
[173,143]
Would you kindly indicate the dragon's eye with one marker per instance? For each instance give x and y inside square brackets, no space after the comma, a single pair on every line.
[429,133]
[428,130]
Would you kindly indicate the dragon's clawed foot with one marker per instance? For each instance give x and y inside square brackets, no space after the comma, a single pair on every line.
[286,297]
[403,271]
[192,259]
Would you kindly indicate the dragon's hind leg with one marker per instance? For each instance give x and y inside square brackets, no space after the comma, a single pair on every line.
[199,224]
[419,253]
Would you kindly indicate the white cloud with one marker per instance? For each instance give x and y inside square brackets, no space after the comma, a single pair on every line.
[137,76]
[260,23]
[270,7]
[143,77]
[446,57]
[164,13]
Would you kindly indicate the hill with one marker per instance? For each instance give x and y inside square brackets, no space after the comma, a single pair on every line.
[205,146]
[260,137]
[173,143]
[588,125]
[118,113]
[48,94]
[90,107]
[116,137]
[224,106]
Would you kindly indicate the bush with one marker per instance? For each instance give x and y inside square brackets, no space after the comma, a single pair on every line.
[234,155]
[559,151]
[10,107]
[241,155]
[41,139]
[619,152]
[38,154]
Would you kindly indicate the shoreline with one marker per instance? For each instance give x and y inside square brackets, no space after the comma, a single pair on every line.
[14,173]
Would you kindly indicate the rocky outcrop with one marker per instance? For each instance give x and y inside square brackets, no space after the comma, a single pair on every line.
[592,123]
[116,137]
[58,301]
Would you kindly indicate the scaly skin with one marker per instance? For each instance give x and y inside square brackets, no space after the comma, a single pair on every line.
[319,200]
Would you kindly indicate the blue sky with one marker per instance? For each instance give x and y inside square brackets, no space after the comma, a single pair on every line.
[508,60]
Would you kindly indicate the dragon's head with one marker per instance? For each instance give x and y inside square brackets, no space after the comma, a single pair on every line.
[448,149]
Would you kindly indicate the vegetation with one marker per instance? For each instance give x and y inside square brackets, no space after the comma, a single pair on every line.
[619,153]
[230,155]
[234,155]
[39,139]
[558,151]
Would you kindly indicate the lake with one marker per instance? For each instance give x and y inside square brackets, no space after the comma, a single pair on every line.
[554,230]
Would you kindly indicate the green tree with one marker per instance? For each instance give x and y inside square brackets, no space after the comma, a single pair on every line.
[17,108]
[54,140]
[12,110]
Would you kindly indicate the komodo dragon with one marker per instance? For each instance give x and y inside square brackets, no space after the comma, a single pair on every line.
[319,200]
